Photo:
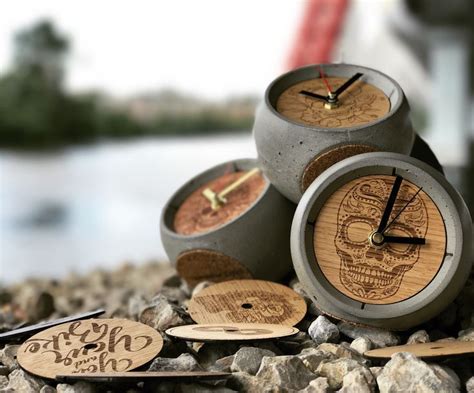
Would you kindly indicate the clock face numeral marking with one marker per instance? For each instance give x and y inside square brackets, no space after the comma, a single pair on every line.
[379,273]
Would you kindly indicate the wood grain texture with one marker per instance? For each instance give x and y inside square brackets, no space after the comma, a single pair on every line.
[94,345]
[195,214]
[393,272]
[208,265]
[327,159]
[426,350]
[247,301]
[142,376]
[231,332]
[360,104]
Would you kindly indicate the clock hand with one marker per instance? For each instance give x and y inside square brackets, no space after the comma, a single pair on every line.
[218,199]
[313,95]
[323,77]
[404,240]
[390,202]
[346,84]
[403,208]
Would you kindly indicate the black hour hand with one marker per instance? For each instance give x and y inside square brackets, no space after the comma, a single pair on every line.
[347,84]
[313,95]
[404,240]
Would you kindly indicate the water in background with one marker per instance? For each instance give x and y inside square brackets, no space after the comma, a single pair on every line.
[99,205]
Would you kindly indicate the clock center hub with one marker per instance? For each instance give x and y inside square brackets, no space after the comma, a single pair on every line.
[376,239]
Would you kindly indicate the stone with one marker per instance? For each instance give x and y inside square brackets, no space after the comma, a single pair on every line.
[295,344]
[161,314]
[78,387]
[243,382]
[466,335]
[318,385]
[4,370]
[48,389]
[184,362]
[209,353]
[39,306]
[8,356]
[248,359]
[21,381]
[174,295]
[3,381]
[223,364]
[335,371]
[361,345]
[285,371]
[201,388]
[136,303]
[406,373]
[356,382]
[470,385]
[419,337]
[379,337]
[322,330]
[343,350]
[174,281]
[313,357]
[199,287]
[376,371]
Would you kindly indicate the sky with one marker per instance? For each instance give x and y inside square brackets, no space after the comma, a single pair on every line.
[208,47]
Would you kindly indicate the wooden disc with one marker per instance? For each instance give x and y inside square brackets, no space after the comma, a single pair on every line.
[386,274]
[360,104]
[323,161]
[137,376]
[426,350]
[195,214]
[93,345]
[208,265]
[247,301]
[231,332]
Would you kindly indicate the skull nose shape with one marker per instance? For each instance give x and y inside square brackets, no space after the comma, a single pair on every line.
[374,253]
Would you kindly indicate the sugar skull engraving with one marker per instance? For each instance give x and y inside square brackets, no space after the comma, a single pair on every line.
[366,271]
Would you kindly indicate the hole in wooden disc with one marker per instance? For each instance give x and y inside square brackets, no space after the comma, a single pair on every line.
[247,306]
[90,346]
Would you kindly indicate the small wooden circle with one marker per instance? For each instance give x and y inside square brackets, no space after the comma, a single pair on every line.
[195,214]
[247,301]
[425,350]
[323,161]
[231,332]
[93,345]
[378,275]
[208,265]
[360,104]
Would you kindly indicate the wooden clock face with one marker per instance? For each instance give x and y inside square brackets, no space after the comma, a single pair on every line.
[360,104]
[368,271]
[195,214]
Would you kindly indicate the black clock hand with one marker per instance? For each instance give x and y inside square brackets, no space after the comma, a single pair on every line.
[390,202]
[404,240]
[313,95]
[344,86]
[403,208]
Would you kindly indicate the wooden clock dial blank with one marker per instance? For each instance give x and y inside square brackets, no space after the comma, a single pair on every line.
[93,345]
[247,301]
[323,161]
[393,272]
[208,265]
[426,350]
[195,214]
[231,332]
[360,104]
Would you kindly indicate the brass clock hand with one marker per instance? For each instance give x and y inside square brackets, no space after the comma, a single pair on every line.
[344,86]
[390,202]
[313,95]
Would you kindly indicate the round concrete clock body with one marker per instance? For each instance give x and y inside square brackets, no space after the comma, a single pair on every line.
[382,239]
[300,130]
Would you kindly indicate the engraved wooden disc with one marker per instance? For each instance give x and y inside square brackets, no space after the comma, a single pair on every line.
[322,162]
[231,332]
[195,214]
[247,301]
[386,274]
[360,104]
[426,350]
[130,376]
[93,345]
[207,265]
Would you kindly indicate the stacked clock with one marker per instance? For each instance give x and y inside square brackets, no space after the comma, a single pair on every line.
[378,235]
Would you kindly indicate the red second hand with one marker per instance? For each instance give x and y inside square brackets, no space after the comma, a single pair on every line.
[321,74]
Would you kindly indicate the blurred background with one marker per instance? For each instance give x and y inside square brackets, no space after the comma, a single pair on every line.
[107,107]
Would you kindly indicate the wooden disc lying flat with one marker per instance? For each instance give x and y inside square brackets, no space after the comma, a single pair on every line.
[136,376]
[427,350]
[28,331]
[90,346]
[231,332]
[247,301]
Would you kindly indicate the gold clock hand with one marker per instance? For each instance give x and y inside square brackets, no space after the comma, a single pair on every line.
[219,199]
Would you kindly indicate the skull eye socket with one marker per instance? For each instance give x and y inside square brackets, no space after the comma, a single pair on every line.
[358,232]
[401,248]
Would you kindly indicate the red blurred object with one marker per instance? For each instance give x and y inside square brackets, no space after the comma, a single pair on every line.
[318,32]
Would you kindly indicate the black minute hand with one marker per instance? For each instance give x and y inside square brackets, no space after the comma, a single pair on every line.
[390,203]
[347,83]
[313,95]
